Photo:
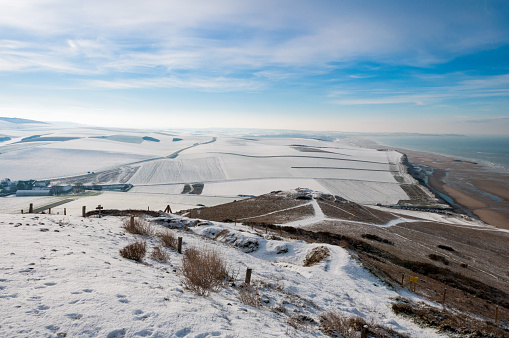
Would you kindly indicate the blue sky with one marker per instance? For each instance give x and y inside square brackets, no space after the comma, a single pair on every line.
[354,66]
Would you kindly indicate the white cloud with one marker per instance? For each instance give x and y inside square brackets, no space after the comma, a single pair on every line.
[204,83]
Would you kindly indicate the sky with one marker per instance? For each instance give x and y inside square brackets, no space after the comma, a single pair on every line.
[351,66]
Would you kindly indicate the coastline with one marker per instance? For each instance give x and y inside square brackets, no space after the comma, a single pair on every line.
[471,185]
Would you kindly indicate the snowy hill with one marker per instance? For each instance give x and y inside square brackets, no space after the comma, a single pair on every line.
[63,276]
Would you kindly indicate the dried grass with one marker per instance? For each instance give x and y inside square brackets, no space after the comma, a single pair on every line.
[134,251]
[159,254]
[168,239]
[203,270]
[451,323]
[249,295]
[138,226]
[334,323]
[316,255]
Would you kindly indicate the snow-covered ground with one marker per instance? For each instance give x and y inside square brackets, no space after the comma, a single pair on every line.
[228,166]
[63,276]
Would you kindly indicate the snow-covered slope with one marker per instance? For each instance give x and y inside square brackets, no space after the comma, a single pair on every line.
[63,276]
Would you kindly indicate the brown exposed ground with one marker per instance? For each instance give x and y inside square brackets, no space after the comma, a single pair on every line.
[271,208]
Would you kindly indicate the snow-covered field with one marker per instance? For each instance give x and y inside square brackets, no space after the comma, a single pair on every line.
[160,164]
[63,276]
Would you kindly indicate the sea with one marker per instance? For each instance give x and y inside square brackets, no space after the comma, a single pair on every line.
[492,151]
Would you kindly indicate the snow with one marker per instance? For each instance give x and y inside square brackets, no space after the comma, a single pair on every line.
[44,163]
[63,275]
[176,170]
[227,166]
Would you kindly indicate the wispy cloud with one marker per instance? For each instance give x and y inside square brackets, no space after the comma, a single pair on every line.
[208,84]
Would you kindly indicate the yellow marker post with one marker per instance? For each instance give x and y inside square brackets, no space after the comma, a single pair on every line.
[414,280]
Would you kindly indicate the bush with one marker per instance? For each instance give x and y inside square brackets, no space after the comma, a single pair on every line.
[135,251]
[168,239]
[249,295]
[334,323]
[137,227]
[203,270]
[439,258]
[159,254]
[316,255]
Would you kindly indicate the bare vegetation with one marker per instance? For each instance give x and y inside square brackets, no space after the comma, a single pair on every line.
[448,322]
[159,254]
[316,255]
[134,251]
[439,258]
[300,322]
[334,323]
[203,270]
[168,239]
[137,226]
[249,295]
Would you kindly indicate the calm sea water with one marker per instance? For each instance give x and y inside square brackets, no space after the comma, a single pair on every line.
[489,150]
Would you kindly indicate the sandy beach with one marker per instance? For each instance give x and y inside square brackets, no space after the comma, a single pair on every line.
[479,189]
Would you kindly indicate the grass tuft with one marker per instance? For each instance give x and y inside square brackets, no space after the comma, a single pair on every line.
[203,270]
[159,254]
[134,251]
[168,239]
[316,255]
[138,226]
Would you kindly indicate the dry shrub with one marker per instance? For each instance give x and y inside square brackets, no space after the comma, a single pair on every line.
[316,255]
[159,254]
[249,295]
[168,239]
[334,323]
[450,323]
[138,227]
[135,251]
[203,270]
[439,258]
[300,322]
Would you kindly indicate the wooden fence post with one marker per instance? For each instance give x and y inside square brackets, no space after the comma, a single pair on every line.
[402,279]
[179,245]
[49,210]
[84,211]
[31,208]
[21,210]
[132,222]
[248,275]
[364,331]
[65,212]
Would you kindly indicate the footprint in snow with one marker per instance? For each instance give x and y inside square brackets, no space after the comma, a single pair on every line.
[50,284]
[144,333]
[116,334]
[122,299]
[42,307]
[183,332]
[74,315]
[53,328]
[88,290]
